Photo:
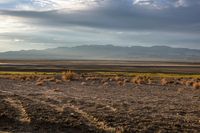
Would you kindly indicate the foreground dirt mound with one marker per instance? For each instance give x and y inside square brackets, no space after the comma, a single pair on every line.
[76,108]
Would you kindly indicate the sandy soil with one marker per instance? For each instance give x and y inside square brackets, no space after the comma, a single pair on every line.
[76,108]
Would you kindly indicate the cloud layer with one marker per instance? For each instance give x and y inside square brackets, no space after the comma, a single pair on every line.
[79,4]
[52,23]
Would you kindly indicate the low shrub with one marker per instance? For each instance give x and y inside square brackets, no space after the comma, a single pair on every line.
[164,81]
[196,85]
[67,76]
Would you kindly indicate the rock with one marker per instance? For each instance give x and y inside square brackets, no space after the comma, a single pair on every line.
[83,83]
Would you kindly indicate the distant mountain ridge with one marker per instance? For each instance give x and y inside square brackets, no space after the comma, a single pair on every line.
[102,52]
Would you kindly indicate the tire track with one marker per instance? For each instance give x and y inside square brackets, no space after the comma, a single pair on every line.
[17,104]
[102,125]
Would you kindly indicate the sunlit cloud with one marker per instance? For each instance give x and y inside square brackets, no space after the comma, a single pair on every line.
[14,24]
[163,4]
[44,5]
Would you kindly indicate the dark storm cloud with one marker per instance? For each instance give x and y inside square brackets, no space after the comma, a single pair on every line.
[121,14]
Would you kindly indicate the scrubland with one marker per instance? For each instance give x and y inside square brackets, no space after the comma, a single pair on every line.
[99,102]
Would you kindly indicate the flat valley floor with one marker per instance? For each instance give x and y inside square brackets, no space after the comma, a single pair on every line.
[90,106]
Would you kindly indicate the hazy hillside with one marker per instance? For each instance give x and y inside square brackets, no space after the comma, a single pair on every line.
[107,52]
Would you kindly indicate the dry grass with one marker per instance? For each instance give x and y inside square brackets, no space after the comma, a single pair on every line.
[117,78]
[40,83]
[135,80]
[68,76]
[51,79]
[120,83]
[23,77]
[149,81]
[182,82]
[164,81]
[138,80]
[58,81]
[152,75]
[104,80]
[188,83]
[57,90]
[121,80]
[196,85]
[126,80]
[91,78]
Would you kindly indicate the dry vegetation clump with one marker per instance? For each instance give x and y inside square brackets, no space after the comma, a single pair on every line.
[180,90]
[23,77]
[175,81]
[117,78]
[135,80]
[51,79]
[42,79]
[120,83]
[126,80]
[182,82]
[33,77]
[149,81]
[104,80]
[91,78]
[39,79]
[13,78]
[57,81]
[189,83]
[164,81]
[138,80]
[40,83]
[94,78]
[57,90]
[68,76]
[196,85]
[27,78]
[17,77]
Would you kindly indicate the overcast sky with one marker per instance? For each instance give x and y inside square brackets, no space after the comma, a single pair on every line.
[40,24]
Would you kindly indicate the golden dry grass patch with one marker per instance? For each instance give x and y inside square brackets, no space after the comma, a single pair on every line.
[164,81]
[196,85]
[68,75]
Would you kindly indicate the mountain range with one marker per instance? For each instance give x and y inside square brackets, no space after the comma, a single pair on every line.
[107,52]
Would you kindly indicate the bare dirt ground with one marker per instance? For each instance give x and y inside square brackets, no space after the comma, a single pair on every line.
[99,65]
[74,107]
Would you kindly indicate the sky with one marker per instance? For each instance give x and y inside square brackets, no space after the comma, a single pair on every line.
[41,24]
